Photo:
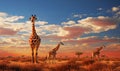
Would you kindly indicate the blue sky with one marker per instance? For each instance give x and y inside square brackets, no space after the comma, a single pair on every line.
[74,22]
[56,11]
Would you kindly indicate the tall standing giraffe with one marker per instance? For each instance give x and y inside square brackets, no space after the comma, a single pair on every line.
[97,52]
[53,52]
[34,40]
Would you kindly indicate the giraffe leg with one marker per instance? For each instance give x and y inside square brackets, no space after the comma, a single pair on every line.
[50,56]
[49,59]
[36,50]
[92,57]
[55,57]
[32,55]
[36,56]
[98,57]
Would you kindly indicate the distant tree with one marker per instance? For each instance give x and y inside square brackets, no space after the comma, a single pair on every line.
[78,54]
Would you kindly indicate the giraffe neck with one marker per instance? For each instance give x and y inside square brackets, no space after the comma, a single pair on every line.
[57,47]
[100,49]
[33,28]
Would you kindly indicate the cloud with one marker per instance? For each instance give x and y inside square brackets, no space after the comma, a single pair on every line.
[4,17]
[14,41]
[70,32]
[2,14]
[13,18]
[100,9]
[113,47]
[62,32]
[12,25]
[41,22]
[69,23]
[98,24]
[6,53]
[7,31]
[118,13]
[115,9]
[92,40]
[87,26]
[70,29]
[79,15]
[74,31]
[9,24]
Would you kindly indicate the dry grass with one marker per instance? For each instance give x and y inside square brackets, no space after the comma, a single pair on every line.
[20,67]
[71,65]
[27,67]
[98,66]
[24,64]
[88,61]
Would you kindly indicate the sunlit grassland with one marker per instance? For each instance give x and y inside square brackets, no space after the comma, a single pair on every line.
[60,64]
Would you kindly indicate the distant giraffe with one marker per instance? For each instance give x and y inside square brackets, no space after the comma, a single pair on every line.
[34,40]
[53,52]
[97,52]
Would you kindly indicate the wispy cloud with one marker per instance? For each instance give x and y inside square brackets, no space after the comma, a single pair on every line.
[100,9]
[79,15]
[69,23]
[92,39]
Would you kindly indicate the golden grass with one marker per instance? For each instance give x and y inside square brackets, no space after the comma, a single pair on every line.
[24,64]
[98,66]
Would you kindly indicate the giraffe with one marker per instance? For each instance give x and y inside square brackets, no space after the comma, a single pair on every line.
[97,52]
[34,40]
[53,52]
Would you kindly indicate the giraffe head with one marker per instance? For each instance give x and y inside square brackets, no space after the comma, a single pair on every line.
[101,48]
[61,43]
[33,18]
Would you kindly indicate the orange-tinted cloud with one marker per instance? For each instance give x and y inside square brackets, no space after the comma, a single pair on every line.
[111,54]
[5,53]
[87,26]
[75,31]
[7,31]
[92,40]
[113,47]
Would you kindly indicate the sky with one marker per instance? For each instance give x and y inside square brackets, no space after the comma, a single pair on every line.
[82,25]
